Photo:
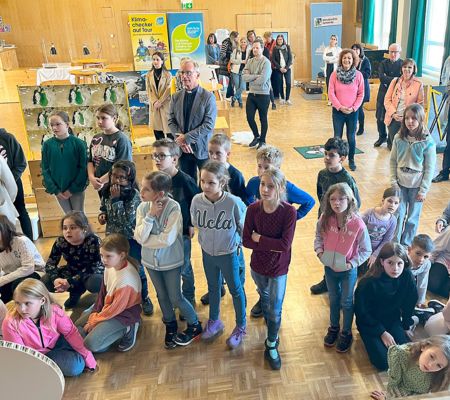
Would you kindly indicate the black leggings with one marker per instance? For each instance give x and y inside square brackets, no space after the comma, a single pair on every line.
[160,135]
[439,280]
[258,102]
[7,291]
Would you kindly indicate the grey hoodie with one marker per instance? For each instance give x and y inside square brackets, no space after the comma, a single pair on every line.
[257,73]
[219,224]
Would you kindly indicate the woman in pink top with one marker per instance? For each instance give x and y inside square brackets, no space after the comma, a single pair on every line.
[38,323]
[401,93]
[346,93]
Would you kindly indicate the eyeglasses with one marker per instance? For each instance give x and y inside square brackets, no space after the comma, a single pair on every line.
[160,156]
[393,51]
[119,178]
[187,73]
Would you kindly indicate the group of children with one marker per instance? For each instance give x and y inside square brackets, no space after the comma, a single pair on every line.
[153,226]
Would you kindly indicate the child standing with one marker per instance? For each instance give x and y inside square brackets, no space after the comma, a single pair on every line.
[342,244]
[335,153]
[381,223]
[107,147]
[413,158]
[417,368]
[64,164]
[19,259]
[116,313]
[80,249]
[159,231]
[219,216]
[38,323]
[184,188]
[120,200]
[269,230]
[384,303]
[266,158]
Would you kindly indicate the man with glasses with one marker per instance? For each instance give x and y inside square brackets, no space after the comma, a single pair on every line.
[388,70]
[192,116]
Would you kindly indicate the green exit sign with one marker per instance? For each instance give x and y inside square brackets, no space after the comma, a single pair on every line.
[186,4]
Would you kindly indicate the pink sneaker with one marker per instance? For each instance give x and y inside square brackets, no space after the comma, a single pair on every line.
[212,329]
[236,337]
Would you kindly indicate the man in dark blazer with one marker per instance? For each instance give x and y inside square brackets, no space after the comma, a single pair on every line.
[192,116]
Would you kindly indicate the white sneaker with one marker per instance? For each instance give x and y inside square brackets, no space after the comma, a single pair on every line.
[329,103]
[289,103]
[282,101]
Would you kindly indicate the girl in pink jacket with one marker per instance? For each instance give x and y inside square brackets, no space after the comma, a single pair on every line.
[38,323]
[342,244]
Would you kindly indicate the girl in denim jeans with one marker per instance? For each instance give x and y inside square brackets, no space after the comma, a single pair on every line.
[269,230]
[219,217]
[342,243]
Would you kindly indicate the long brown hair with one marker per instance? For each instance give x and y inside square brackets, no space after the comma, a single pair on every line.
[440,378]
[388,250]
[8,232]
[419,114]
[161,56]
[118,243]
[110,110]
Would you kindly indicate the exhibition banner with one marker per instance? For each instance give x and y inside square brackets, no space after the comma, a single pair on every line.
[186,32]
[148,34]
[326,20]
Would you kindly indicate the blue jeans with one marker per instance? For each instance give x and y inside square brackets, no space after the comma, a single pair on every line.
[70,362]
[228,265]
[168,289]
[135,252]
[349,120]
[239,86]
[341,286]
[271,290]
[187,274]
[408,214]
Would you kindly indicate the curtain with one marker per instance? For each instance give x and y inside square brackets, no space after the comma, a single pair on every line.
[416,32]
[447,39]
[394,15]
[367,31]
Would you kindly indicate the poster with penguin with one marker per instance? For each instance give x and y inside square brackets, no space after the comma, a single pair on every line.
[80,102]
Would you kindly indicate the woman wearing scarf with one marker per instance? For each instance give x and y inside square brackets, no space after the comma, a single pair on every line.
[282,61]
[365,68]
[346,93]
[401,93]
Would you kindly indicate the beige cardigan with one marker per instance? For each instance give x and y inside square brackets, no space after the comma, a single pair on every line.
[158,118]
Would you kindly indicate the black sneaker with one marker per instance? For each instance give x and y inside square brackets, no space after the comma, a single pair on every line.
[260,145]
[191,333]
[352,165]
[205,298]
[344,342]
[274,106]
[330,338]
[72,301]
[359,133]
[147,307]
[129,339]
[423,314]
[171,333]
[275,363]
[441,177]
[256,311]
[436,305]
[319,288]
[254,143]
[379,142]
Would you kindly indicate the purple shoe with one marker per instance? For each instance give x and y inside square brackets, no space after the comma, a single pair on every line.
[236,337]
[212,329]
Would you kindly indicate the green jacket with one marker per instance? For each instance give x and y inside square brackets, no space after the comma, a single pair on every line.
[64,165]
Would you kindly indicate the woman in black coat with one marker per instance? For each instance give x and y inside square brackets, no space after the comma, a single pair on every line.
[366,70]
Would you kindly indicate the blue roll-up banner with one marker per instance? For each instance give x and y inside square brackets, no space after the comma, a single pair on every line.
[187,37]
[326,20]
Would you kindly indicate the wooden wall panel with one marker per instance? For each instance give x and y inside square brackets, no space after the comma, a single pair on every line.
[103,24]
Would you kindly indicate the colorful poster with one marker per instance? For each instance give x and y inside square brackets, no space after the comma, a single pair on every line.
[148,34]
[186,32]
[326,20]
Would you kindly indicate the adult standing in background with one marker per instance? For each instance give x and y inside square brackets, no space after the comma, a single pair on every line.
[192,116]
[212,50]
[12,152]
[251,36]
[346,93]
[366,70]
[257,73]
[238,60]
[227,47]
[269,45]
[401,93]
[282,63]
[331,58]
[159,82]
[388,70]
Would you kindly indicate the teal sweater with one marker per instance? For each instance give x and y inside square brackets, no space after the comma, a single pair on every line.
[64,165]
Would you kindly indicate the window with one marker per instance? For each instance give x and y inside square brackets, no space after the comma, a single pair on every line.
[382,23]
[433,46]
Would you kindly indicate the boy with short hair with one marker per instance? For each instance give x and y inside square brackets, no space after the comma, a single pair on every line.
[166,153]
[336,152]
[267,157]
[219,149]
[419,254]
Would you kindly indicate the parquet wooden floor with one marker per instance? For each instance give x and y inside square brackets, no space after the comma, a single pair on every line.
[210,371]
